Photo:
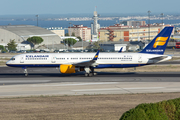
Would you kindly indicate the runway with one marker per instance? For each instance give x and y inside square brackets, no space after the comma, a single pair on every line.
[50,82]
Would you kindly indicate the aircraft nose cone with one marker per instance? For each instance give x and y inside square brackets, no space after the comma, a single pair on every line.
[7,63]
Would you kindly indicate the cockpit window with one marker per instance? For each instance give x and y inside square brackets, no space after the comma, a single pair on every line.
[12,59]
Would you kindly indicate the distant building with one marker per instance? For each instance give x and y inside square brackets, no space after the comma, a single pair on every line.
[20,33]
[136,45]
[80,31]
[23,47]
[127,46]
[57,30]
[133,23]
[113,47]
[66,37]
[81,45]
[120,32]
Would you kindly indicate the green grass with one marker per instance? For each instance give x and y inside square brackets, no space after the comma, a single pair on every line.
[2,63]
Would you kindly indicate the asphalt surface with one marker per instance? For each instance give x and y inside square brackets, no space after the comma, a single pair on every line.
[10,75]
[48,81]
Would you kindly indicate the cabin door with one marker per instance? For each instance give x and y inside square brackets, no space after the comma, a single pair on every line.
[140,58]
[22,59]
[53,59]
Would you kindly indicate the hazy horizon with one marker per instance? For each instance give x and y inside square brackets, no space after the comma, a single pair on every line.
[33,7]
[82,15]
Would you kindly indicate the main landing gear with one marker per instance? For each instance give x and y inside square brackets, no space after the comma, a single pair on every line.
[89,72]
[25,71]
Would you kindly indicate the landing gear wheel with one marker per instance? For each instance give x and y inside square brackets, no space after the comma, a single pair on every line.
[90,74]
[86,74]
[26,74]
[94,73]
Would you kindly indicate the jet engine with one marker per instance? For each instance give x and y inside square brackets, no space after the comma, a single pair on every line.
[67,69]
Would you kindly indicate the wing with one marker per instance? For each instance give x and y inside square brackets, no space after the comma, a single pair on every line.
[89,62]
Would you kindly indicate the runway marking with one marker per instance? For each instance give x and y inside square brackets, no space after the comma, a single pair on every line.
[103,83]
[117,89]
[23,81]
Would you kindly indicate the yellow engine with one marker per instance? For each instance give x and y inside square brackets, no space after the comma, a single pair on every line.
[67,69]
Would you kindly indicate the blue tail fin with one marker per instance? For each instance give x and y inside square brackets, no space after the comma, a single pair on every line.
[159,43]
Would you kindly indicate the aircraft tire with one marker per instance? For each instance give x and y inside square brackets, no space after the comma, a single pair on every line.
[94,73]
[90,74]
[86,74]
[26,75]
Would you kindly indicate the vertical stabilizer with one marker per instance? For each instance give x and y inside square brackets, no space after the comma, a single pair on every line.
[159,43]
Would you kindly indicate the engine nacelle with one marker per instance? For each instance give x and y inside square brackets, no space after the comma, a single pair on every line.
[68,69]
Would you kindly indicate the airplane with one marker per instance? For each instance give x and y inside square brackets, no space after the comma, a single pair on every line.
[75,62]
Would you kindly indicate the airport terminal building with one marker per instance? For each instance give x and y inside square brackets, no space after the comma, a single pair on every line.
[20,33]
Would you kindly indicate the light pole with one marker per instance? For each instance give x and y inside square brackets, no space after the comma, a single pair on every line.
[37,19]
[149,23]
[70,33]
[162,17]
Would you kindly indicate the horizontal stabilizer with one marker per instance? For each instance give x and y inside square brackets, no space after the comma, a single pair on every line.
[158,58]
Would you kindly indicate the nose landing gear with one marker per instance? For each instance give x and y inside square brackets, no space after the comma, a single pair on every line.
[25,71]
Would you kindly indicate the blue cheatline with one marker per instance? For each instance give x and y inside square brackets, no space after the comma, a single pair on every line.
[99,66]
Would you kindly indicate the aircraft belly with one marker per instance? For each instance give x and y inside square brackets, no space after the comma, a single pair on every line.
[118,65]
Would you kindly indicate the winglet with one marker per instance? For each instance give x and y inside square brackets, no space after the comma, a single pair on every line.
[96,56]
[120,50]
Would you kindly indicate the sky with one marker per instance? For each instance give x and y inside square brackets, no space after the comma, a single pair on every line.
[26,7]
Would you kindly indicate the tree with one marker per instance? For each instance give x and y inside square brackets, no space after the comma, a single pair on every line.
[69,41]
[67,34]
[96,45]
[73,34]
[35,40]
[12,46]
[2,48]
[79,38]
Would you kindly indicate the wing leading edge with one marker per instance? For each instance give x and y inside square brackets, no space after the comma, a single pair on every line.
[89,62]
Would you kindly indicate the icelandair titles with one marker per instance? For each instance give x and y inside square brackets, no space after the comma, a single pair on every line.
[37,56]
[149,50]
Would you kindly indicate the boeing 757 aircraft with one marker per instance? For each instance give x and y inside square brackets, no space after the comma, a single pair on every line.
[76,62]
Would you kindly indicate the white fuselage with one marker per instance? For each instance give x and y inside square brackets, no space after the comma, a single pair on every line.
[105,60]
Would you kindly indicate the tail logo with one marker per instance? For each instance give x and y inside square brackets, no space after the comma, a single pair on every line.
[96,56]
[160,41]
